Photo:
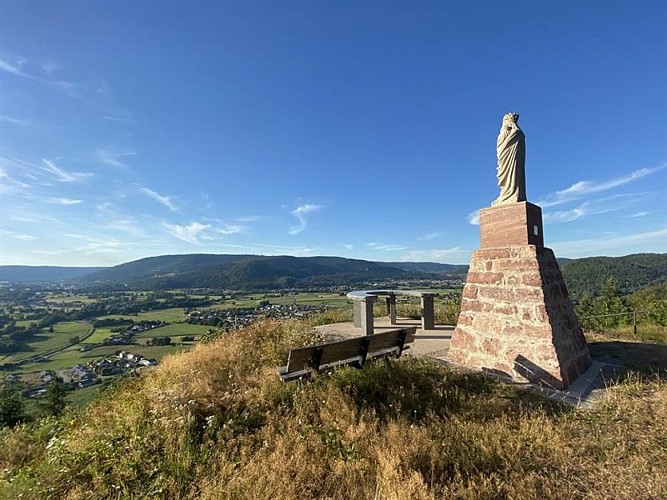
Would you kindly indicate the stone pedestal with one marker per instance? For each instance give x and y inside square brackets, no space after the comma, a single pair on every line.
[512,224]
[516,316]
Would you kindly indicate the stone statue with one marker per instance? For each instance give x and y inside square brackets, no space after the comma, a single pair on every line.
[511,151]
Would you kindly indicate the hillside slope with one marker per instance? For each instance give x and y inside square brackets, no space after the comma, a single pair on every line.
[217,423]
[632,272]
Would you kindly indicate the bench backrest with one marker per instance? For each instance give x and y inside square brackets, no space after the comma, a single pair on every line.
[346,352]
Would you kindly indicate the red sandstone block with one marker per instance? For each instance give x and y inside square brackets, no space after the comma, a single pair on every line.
[541,313]
[491,346]
[464,319]
[491,253]
[512,329]
[529,252]
[511,280]
[529,294]
[506,310]
[484,278]
[469,305]
[517,265]
[496,293]
[470,291]
[532,279]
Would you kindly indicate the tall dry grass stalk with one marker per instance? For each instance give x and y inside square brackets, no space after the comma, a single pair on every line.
[217,422]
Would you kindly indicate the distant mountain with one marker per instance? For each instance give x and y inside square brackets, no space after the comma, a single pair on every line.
[18,274]
[632,272]
[260,272]
[163,266]
[243,272]
[458,270]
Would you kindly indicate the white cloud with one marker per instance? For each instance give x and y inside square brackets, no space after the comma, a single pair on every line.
[15,68]
[15,121]
[300,214]
[113,159]
[429,236]
[63,175]
[582,188]
[442,255]
[50,67]
[386,247]
[165,200]
[64,201]
[249,218]
[228,229]
[348,246]
[473,218]
[19,236]
[189,233]
[613,245]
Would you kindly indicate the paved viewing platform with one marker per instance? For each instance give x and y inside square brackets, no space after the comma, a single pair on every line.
[434,344]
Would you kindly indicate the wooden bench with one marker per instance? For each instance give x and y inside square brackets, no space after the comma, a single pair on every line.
[302,362]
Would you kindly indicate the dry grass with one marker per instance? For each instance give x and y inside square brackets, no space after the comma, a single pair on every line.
[217,422]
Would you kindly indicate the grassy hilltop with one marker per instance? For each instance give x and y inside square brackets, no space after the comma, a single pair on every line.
[216,422]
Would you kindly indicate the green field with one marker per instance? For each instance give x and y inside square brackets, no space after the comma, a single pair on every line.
[172,315]
[175,330]
[68,299]
[157,352]
[98,336]
[46,342]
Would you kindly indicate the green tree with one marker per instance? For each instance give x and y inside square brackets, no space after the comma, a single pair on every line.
[54,400]
[11,405]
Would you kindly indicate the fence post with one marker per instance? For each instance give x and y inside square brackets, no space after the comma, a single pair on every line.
[634,322]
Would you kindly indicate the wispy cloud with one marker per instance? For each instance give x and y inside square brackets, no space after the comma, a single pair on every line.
[19,236]
[249,218]
[473,218]
[63,175]
[228,229]
[348,246]
[616,244]
[113,159]
[190,233]
[300,214]
[428,236]
[165,200]
[63,201]
[583,188]
[386,247]
[442,255]
[15,121]
[17,68]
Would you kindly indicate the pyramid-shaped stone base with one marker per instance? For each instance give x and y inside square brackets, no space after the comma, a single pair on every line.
[517,319]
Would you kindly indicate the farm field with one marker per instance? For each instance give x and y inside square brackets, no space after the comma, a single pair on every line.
[172,315]
[174,330]
[46,341]
[99,335]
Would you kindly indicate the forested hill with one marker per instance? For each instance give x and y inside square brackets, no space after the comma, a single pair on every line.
[632,272]
[243,272]
[256,271]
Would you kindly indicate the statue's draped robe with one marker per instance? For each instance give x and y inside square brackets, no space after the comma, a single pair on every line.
[511,150]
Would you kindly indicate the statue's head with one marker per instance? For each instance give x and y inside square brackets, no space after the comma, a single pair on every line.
[511,117]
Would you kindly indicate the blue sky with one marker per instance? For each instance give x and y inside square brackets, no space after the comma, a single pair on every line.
[360,129]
